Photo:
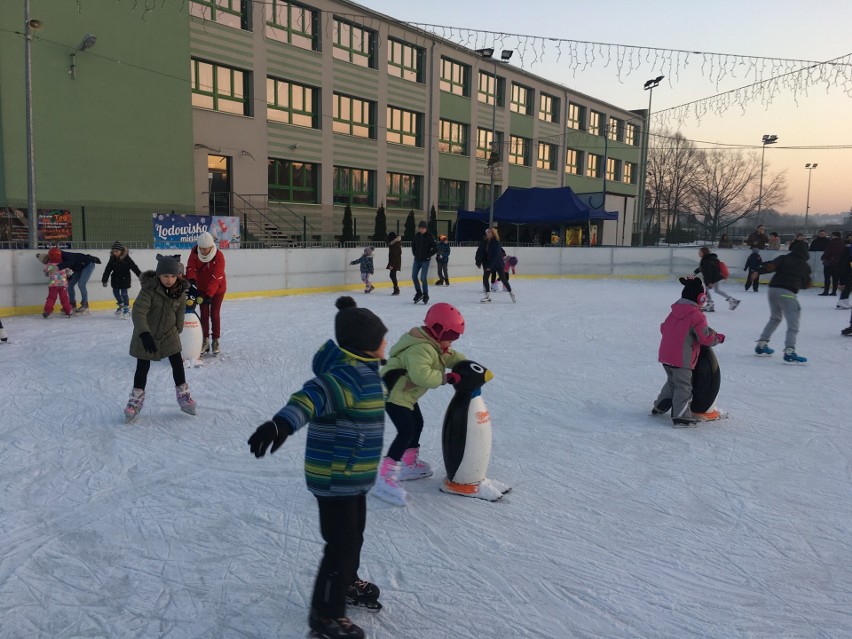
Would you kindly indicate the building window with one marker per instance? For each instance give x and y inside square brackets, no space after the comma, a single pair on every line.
[573,161]
[404,127]
[354,44]
[291,103]
[548,108]
[291,181]
[220,88]
[483,196]
[452,195]
[292,23]
[354,186]
[547,156]
[405,60]
[576,116]
[231,13]
[403,191]
[483,143]
[453,137]
[491,87]
[353,116]
[596,123]
[613,168]
[455,77]
[629,175]
[521,101]
[631,134]
[615,130]
[519,150]
[593,165]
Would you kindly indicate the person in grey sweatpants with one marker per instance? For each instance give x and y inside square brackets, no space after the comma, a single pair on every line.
[792,273]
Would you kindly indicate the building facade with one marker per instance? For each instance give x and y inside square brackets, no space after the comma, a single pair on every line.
[286,112]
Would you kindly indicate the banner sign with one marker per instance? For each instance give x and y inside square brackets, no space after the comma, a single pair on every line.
[181,231]
[54,227]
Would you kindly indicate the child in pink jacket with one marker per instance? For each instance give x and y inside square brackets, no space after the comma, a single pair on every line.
[684,331]
[57,284]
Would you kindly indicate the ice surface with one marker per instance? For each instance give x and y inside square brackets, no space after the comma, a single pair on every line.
[617,524]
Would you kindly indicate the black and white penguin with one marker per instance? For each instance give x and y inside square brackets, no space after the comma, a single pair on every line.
[466,437]
[706,381]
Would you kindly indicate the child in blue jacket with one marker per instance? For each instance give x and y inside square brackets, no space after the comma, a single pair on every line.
[344,408]
[366,262]
[752,265]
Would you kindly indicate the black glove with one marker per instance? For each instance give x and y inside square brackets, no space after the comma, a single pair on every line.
[205,301]
[104,283]
[148,342]
[96,260]
[273,432]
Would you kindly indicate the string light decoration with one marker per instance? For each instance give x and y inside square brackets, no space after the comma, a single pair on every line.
[770,76]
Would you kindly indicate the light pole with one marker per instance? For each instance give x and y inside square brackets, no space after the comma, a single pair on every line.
[494,157]
[767,139]
[810,167]
[30,25]
[650,85]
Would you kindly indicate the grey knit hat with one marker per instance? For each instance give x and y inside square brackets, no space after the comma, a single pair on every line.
[168,266]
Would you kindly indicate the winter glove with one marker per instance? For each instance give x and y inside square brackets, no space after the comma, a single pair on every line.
[720,337]
[96,260]
[452,378]
[104,283]
[204,300]
[273,432]
[148,342]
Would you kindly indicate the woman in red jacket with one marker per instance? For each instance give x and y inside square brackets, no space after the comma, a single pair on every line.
[206,269]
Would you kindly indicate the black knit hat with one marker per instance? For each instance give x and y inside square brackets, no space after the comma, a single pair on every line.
[168,265]
[357,329]
[692,288]
[423,225]
[118,246]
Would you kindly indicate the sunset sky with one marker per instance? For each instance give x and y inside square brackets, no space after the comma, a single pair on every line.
[808,31]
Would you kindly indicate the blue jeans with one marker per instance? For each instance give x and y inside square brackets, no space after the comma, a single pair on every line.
[121,297]
[420,270]
[80,278]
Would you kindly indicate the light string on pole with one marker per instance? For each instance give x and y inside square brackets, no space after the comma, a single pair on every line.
[810,167]
[649,86]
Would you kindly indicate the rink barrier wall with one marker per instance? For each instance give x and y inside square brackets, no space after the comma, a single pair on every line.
[277,272]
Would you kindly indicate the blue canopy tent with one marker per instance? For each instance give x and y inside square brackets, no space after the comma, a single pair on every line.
[553,207]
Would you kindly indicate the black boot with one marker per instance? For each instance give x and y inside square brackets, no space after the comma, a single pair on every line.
[395,290]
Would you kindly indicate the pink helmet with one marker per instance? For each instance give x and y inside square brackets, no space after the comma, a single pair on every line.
[445,322]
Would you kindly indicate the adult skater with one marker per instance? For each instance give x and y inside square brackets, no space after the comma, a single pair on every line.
[792,273]
[343,407]
[493,262]
[424,247]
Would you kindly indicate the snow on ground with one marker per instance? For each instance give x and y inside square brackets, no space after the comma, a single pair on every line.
[617,525]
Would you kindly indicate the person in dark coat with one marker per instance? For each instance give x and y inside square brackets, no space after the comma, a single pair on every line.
[480,260]
[820,242]
[493,263]
[844,274]
[757,239]
[792,273]
[753,264]
[158,315]
[82,266]
[442,259]
[423,247]
[725,242]
[711,273]
[117,271]
[831,262]
[394,259]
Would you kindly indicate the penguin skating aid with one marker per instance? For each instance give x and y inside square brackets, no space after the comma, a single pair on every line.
[466,437]
[191,337]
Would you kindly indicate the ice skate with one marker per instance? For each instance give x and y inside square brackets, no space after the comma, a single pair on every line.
[843,305]
[791,357]
[184,399]
[709,307]
[486,299]
[126,312]
[395,290]
[387,486]
[684,422]
[425,298]
[119,311]
[340,628]
[847,331]
[134,404]
[413,467]
[205,346]
[733,303]
[215,346]
[418,297]
[512,295]
[363,594]
[762,348]
[83,309]
[662,407]
[369,288]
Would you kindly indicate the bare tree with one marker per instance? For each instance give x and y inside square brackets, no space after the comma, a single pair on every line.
[673,164]
[726,187]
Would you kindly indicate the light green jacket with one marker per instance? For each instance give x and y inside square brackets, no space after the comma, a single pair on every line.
[423,364]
